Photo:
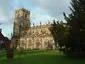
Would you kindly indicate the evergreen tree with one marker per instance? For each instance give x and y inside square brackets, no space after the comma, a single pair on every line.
[76,23]
[59,31]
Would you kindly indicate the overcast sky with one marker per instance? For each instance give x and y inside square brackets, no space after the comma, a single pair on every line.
[41,11]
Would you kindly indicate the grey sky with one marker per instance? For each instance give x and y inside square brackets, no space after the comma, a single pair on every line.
[41,10]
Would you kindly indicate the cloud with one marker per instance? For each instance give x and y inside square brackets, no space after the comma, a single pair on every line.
[7,29]
[4,11]
[41,10]
[6,17]
[54,8]
[38,15]
[16,4]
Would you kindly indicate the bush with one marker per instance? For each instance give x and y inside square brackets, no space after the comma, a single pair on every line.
[76,54]
[20,50]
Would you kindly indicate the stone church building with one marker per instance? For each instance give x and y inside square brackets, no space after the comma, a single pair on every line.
[30,37]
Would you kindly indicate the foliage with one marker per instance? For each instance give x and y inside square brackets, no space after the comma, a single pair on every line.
[20,50]
[59,31]
[76,23]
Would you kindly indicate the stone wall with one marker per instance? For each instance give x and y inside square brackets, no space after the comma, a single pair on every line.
[37,38]
[27,37]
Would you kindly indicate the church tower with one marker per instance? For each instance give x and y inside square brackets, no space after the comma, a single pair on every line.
[21,21]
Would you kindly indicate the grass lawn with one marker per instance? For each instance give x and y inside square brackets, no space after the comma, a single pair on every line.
[39,57]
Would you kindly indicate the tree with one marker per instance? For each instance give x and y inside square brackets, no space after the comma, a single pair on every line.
[59,31]
[9,48]
[76,23]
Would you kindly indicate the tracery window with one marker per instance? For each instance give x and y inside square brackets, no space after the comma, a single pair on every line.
[45,43]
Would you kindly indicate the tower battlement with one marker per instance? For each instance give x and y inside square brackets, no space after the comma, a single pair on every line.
[22,13]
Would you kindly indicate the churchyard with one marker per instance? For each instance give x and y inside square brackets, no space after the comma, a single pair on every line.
[39,57]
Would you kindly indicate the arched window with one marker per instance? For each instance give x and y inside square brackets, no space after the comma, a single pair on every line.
[30,43]
[45,43]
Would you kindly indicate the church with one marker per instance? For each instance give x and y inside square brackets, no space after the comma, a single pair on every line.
[30,37]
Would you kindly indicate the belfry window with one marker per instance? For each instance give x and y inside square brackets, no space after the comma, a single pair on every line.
[25,15]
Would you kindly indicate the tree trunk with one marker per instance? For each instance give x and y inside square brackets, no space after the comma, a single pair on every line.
[10,54]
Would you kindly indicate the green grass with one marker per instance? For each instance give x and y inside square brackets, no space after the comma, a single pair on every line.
[39,57]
